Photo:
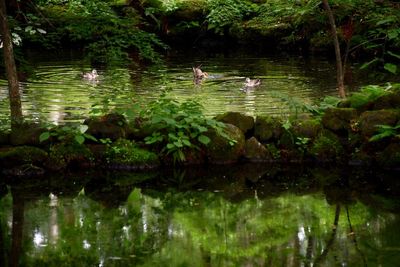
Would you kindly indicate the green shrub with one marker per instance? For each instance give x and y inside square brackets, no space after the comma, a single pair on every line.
[178,127]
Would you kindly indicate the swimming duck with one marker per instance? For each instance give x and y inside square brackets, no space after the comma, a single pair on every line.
[91,75]
[252,83]
[198,75]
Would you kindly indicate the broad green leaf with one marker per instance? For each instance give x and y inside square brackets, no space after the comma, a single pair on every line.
[41,31]
[83,128]
[391,68]
[204,139]
[178,143]
[170,146]
[28,28]
[79,139]
[186,142]
[90,137]
[44,136]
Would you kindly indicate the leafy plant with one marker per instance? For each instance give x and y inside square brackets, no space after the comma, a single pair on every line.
[302,143]
[179,127]
[68,134]
[386,131]
[367,94]
[327,102]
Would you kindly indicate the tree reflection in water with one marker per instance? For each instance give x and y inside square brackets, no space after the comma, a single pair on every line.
[227,218]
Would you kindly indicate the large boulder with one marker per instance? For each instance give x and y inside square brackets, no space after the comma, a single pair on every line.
[369,120]
[254,151]
[112,126]
[267,128]
[339,120]
[243,122]
[226,148]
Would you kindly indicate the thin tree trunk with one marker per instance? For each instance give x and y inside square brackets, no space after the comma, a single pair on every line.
[11,69]
[339,65]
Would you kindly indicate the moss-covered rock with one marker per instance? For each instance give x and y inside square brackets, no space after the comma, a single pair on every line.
[388,101]
[339,120]
[112,126]
[254,151]
[20,155]
[243,122]
[126,155]
[225,149]
[370,119]
[26,134]
[74,155]
[267,128]
[327,147]
[309,128]
[390,157]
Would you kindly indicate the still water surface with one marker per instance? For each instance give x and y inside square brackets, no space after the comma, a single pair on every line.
[55,90]
[248,215]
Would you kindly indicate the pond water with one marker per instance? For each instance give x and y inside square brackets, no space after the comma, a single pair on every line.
[243,215]
[55,91]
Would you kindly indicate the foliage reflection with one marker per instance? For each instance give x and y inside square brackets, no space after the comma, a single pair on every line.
[201,227]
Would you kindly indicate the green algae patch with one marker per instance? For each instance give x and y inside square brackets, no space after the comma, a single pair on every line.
[125,154]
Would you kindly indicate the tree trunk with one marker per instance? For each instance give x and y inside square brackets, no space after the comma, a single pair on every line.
[11,70]
[339,65]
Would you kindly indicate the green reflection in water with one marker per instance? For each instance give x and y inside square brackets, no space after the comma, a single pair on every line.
[148,227]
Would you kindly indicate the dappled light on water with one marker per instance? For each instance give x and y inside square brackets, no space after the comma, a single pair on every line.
[56,90]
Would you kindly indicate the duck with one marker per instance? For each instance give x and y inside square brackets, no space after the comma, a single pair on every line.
[252,83]
[198,75]
[91,76]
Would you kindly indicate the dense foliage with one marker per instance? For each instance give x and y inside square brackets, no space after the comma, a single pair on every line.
[109,29]
[105,30]
[178,127]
